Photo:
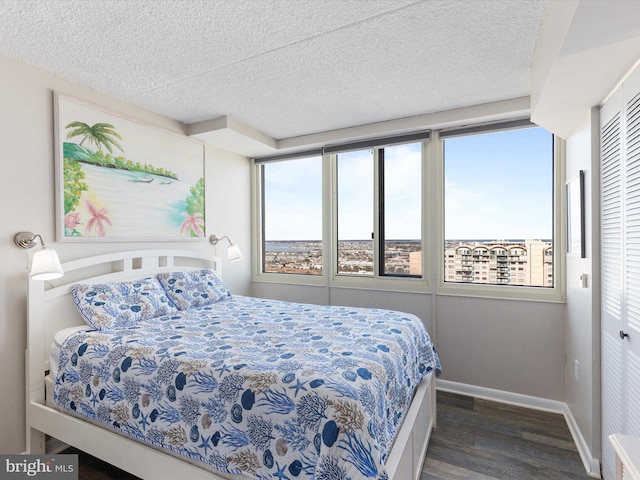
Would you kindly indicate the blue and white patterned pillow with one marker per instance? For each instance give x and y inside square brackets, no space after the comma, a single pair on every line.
[110,305]
[193,289]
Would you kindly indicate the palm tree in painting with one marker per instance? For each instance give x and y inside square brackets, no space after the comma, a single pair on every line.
[100,134]
[98,219]
[192,224]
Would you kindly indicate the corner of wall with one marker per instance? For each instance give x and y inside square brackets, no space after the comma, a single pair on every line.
[582,372]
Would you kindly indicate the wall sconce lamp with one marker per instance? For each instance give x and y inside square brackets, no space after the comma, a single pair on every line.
[233,251]
[45,264]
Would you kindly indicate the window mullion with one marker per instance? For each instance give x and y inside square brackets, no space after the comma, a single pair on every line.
[432,211]
[378,212]
[332,261]
[262,260]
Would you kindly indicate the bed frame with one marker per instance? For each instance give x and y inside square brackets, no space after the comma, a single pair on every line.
[51,308]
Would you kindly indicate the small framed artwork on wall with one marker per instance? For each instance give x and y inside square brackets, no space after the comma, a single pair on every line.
[574,195]
[121,180]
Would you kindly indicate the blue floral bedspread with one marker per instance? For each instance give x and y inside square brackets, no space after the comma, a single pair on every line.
[260,387]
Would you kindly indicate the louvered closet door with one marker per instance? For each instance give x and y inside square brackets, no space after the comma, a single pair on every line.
[631,321]
[620,256]
[611,244]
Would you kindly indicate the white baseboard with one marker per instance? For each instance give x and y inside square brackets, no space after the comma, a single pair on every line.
[591,464]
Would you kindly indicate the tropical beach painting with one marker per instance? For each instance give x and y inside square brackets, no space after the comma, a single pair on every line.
[120,180]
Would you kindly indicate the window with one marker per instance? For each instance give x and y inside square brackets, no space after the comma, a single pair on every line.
[401,192]
[360,215]
[498,194]
[355,212]
[292,216]
[397,218]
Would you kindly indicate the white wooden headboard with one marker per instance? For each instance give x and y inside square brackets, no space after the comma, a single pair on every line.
[51,306]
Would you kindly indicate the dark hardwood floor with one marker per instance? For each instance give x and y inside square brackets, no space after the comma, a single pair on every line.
[92,468]
[482,440]
[475,439]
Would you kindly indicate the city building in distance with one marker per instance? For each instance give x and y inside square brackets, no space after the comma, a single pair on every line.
[293,256]
[493,262]
[499,262]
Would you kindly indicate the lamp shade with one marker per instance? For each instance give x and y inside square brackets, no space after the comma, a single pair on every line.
[233,253]
[46,265]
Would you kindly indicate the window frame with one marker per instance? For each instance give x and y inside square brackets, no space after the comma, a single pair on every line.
[261,202]
[257,216]
[381,217]
[549,294]
[432,229]
[379,281]
[334,159]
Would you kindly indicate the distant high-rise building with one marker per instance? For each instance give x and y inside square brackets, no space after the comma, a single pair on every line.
[498,262]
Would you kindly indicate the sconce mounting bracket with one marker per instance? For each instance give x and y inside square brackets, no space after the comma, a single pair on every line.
[25,240]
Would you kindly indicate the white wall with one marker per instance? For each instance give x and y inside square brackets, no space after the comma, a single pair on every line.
[27,199]
[583,304]
[511,345]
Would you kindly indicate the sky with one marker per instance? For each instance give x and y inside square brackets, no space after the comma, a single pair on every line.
[402,193]
[293,199]
[497,186]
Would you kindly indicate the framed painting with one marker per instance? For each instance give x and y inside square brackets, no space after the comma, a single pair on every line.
[122,180]
[574,191]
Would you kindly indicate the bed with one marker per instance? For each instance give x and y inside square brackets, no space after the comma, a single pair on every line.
[184,393]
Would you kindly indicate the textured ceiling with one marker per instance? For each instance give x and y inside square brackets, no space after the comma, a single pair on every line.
[284,67]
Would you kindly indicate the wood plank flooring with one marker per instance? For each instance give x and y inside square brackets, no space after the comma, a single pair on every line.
[482,440]
[475,440]
[92,468]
